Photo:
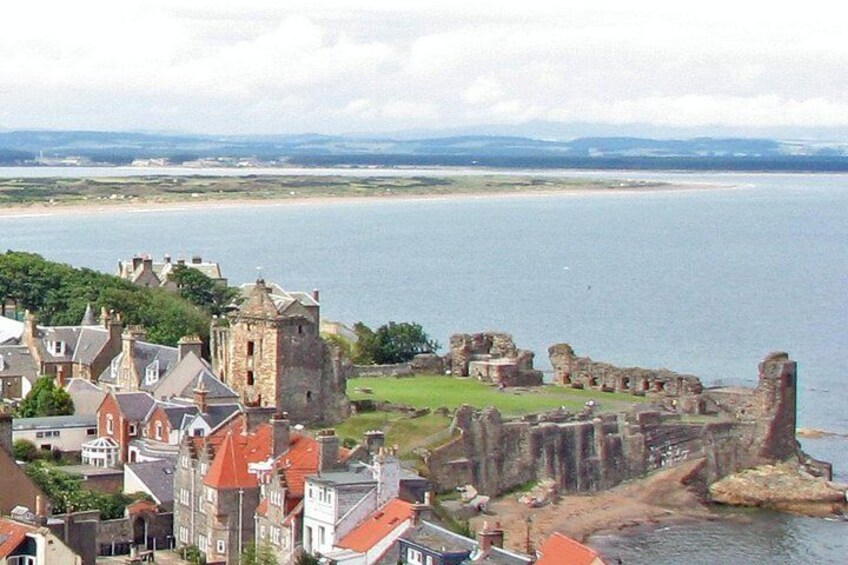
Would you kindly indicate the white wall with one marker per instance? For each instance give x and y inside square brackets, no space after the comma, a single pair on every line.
[69,439]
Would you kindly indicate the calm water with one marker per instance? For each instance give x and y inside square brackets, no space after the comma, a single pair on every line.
[705,282]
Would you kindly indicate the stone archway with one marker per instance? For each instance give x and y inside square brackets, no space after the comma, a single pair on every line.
[140,531]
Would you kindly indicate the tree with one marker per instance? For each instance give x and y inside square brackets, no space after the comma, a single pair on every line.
[24,450]
[202,291]
[392,343]
[45,399]
[304,558]
[263,555]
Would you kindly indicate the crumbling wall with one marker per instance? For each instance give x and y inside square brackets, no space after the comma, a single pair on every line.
[492,357]
[748,427]
[584,373]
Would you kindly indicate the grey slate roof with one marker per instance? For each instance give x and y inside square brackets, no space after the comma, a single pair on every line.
[145,354]
[498,556]
[214,387]
[175,414]
[216,414]
[54,422]
[438,539]
[17,361]
[158,477]
[282,298]
[86,396]
[134,405]
[82,343]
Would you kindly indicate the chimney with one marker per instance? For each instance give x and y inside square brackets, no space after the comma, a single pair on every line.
[148,263]
[280,430]
[128,376]
[422,510]
[328,450]
[136,262]
[374,440]
[167,258]
[60,376]
[6,432]
[316,295]
[40,506]
[180,261]
[200,394]
[28,336]
[188,344]
[387,473]
[196,260]
[490,537]
[255,415]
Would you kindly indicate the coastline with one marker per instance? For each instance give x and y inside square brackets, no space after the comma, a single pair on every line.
[155,204]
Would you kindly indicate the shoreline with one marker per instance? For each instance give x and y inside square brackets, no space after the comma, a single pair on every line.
[153,204]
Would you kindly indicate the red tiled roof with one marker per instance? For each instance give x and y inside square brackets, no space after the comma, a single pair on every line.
[559,549]
[229,467]
[383,522]
[298,462]
[13,533]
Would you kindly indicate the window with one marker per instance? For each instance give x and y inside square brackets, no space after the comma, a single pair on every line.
[202,543]
[203,468]
[159,430]
[414,556]
[39,434]
[322,535]
[300,329]
[133,429]
[183,534]
[91,431]
[21,560]
[429,560]
[184,462]
[110,428]
[250,348]
[250,378]
[221,546]
[210,494]
[262,531]
[151,372]
[184,497]
[275,535]
[200,507]
[56,347]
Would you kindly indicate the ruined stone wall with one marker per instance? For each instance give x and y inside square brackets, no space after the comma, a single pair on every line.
[584,373]
[586,455]
[492,357]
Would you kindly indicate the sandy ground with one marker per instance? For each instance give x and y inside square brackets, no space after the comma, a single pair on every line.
[661,497]
[153,204]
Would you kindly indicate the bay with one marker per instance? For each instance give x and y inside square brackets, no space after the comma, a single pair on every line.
[700,281]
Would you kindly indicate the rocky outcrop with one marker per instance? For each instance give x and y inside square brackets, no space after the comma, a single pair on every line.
[785,486]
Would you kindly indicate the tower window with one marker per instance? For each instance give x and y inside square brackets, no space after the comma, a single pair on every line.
[250,347]
[250,378]
[308,396]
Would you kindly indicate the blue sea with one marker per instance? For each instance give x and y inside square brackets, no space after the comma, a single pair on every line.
[705,281]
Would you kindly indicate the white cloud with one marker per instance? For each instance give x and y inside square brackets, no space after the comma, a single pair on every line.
[264,66]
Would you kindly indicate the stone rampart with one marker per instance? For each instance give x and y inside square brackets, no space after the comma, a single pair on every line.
[492,357]
[586,455]
[396,370]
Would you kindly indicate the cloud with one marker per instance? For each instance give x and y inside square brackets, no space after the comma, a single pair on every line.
[262,66]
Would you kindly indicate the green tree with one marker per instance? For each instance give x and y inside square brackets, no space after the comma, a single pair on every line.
[263,555]
[24,450]
[45,399]
[202,291]
[304,558]
[392,343]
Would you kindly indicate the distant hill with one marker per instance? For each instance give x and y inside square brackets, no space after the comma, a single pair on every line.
[121,148]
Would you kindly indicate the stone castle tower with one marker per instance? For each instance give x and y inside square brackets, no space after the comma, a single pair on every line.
[272,354]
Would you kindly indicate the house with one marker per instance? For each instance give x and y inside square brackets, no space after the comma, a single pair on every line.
[270,352]
[368,543]
[120,418]
[82,351]
[245,478]
[65,433]
[559,549]
[86,395]
[144,271]
[18,372]
[140,365]
[155,478]
[26,544]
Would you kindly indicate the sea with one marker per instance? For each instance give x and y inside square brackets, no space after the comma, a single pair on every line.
[706,281]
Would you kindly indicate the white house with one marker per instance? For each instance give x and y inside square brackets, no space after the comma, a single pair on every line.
[65,433]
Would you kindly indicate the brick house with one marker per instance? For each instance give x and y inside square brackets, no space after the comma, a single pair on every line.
[120,419]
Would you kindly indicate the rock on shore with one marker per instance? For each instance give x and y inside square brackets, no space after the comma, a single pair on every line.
[785,486]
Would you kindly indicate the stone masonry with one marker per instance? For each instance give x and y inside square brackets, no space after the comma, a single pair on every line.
[492,357]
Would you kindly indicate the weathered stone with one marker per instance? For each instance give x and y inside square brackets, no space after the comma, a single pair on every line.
[492,357]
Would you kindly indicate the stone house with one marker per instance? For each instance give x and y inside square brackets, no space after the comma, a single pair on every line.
[221,480]
[270,352]
[139,365]
[18,372]
[65,352]
[144,271]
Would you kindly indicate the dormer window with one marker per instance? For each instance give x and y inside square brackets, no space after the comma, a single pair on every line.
[151,373]
[56,347]
[113,368]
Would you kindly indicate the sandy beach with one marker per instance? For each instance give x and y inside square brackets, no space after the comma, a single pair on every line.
[155,204]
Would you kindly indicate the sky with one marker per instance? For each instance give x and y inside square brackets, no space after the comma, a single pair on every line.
[286,66]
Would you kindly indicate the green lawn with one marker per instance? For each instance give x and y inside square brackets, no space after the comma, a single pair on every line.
[434,391]
[407,433]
